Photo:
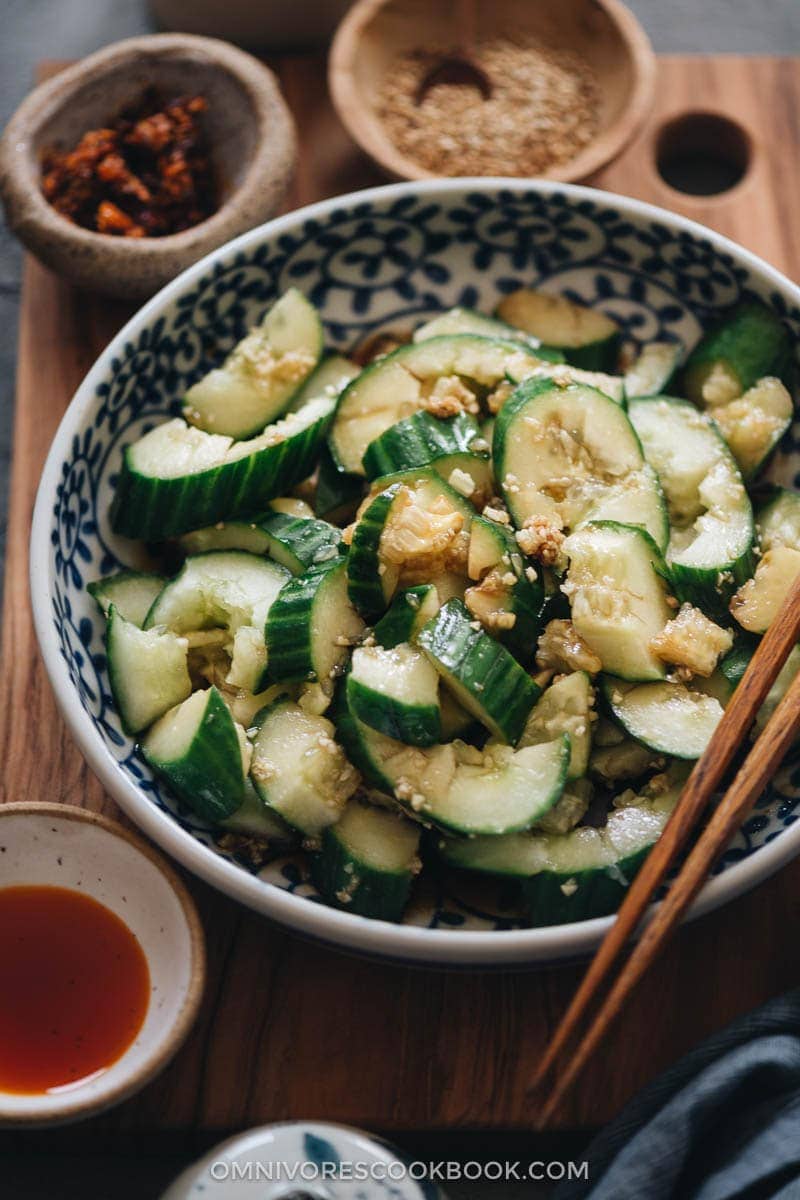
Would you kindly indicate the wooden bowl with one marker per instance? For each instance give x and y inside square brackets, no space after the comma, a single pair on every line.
[602,32]
[252,145]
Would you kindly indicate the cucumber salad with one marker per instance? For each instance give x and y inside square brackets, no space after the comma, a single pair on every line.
[475,604]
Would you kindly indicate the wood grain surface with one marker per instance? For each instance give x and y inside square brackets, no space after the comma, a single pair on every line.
[288,1029]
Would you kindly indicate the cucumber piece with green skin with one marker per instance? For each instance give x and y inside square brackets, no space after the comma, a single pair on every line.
[244,394]
[405,616]
[396,692]
[147,671]
[618,597]
[710,546]
[578,875]
[653,369]
[328,379]
[737,660]
[255,819]
[778,520]
[779,689]
[758,601]
[564,707]
[131,592]
[467,320]
[296,543]
[484,677]
[505,585]
[669,718]
[408,510]
[177,478]
[198,749]
[611,386]
[456,722]
[625,760]
[753,425]
[338,493]
[312,625]
[298,769]
[745,344]
[368,861]
[571,454]
[396,385]
[445,444]
[588,337]
[230,590]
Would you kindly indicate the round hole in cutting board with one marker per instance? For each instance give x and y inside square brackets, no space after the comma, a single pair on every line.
[702,154]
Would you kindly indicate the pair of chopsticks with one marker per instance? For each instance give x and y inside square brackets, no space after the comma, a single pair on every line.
[759,767]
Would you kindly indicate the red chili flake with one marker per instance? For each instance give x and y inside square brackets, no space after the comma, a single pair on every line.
[146,174]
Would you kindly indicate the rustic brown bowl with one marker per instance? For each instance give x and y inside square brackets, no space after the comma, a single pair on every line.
[603,32]
[252,145]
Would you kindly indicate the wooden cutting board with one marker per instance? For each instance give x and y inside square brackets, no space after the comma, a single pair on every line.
[289,1029]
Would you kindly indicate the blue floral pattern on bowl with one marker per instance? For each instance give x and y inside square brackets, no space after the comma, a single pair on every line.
[374,261]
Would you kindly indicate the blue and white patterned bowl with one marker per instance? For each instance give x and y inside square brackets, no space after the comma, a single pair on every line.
[376,259]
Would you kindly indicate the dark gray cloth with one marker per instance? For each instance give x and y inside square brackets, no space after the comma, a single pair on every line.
[723,1123]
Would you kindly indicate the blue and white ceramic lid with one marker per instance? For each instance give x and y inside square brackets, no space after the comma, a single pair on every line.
[303,1161]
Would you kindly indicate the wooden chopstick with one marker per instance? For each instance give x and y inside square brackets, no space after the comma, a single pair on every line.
[767,661]
[748,785]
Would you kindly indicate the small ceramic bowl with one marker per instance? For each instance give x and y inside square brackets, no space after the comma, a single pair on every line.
[61,845]
[604,33]
[252,145]
[303,1159]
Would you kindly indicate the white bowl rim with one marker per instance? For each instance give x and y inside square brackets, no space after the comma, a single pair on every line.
[402,943]
[78,1104]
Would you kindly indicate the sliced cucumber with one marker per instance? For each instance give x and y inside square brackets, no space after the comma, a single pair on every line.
[755,423]
[261,374]
[396,692]
[401,383]
[423,439]
[484,677]
[337,494]
[612,386]
[254,819]
[131,592]
[746,344]
[459,788]
[298,769]
[653,370]
[587,336]
[230,590]
[618,597]
[691,640]
[456,722]
[581,874]
[779,689]
[291,506]
[297,543]
[778,520]
[571,454]
[312,626]
[667,717]
[508,596]
[147,671]
[625,760]
[564,707]
[467,320]
[710,546]
[757,602]
[199,750]
[368,861]
[328,379]
[408,612]
[178,478]
[414,530]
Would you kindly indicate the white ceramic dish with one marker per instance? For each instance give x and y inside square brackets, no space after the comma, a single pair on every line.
[64,846]
[302,1159]
[374,260]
